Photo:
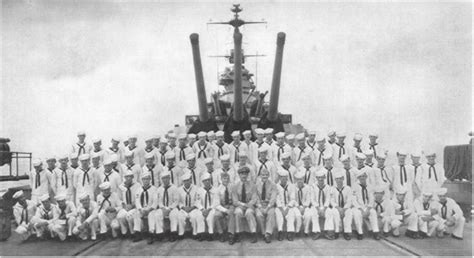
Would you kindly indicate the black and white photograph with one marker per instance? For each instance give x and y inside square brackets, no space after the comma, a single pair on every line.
[236,128]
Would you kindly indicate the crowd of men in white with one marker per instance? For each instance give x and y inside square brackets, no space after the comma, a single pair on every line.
[311,183]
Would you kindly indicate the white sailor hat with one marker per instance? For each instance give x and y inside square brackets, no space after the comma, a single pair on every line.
[243,154]
[60,197]
[95,155]
[205,176]
[63,156]
[146,174]
[290,137]
[312,133]
[402,153]
[300,136]
[368,152]
[73,156]
[401,190]
[149,155]
[379,189]
[51,158]
[115,138]
[166,172]
[299,175]
[381,155]
[128,172]
[192,136]
[331,133]
[84,157]
[83,196]
[81,133]
[113,158]
[338,174]
[268,131]
[156,136]
[44,197]
[360,155]
[282,172]
[263,148]
[442,191]
[182,136]
[344,157]
[246,132]
[164,141]
[416,154]
[18,194]
[132,136]
[104,186]
[361,173]
[170,155]
[430,153]
[341,135]
[373,134]
[358,137]
[37,162]
[259,131]
[320,173]
[427,192]
[149,138]
[96,140]
[108,161]
[208,160]
[171,135]
[128,153]
[186,176]
[202,134]
[235,133]
[224,157]
[280,135]
[219,133]
[327,156]
[285,155]
[190,156]
[210,133]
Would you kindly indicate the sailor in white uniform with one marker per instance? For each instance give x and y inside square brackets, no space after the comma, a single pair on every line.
[251,146]
[301,149]
[45,215]
[182,151]
[188,207]
[280,147]
[168,199]
[131,165]
[146,203]
[66,221]
[155,169]
[23,211]
[432,176]
[87,221]
[220,148]
[62,177]
[40,181]
[109,206]
[115,149]
[129,191]
[235,147]
[83,178]
[452,218]
[81,147]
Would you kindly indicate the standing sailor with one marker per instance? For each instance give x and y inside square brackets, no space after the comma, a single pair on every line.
[235,147]
[162,150]
[138,153]
[311,140]
[115,149]
[182,151]
[384,175]
[300,150]
[97,150]
[290,140]
[81,147]
[108,175]
[264,163]
[432,176]
[350,173]
[40,181]
[338,147]
[154,169]
[373,144]
[328,168]
[62,177]
[416,169]
[308,170]
[74,160]
[332,137]
[131,165]
[286,165]
[156,141]
[356,147]
[401,177]
[194,170]
[149,148]
[252,147]
[211,137]
[175,171]
[83,178]
[202,148]
[280,147]
[192,138]
[226,168]
[220,148]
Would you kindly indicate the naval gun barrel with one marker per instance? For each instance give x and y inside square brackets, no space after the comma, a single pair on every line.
[201,89]
[275,92]
[238,105]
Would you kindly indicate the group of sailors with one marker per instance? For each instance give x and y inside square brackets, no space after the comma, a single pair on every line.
[309,184]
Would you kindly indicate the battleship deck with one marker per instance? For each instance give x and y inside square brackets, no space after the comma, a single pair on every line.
[300,246]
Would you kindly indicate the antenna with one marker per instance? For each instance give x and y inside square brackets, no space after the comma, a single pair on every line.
[237,22]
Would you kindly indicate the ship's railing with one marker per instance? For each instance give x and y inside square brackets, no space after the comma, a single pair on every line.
[189,120]
[15,158]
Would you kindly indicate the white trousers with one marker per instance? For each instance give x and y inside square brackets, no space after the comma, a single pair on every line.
[370,220]
[108,220]
[458,228]
[63,228]
[23,231]
[196,219]
[160,216]
[292,217]
[138,218]
[90,229]
[411,221]
[126,219]
[210,221]
[428,227]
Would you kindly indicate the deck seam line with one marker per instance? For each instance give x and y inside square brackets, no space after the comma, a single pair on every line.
[400,246]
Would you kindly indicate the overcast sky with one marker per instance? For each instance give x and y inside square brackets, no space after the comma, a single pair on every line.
[114,68]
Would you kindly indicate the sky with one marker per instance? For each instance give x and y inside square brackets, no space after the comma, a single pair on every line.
[401,69]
